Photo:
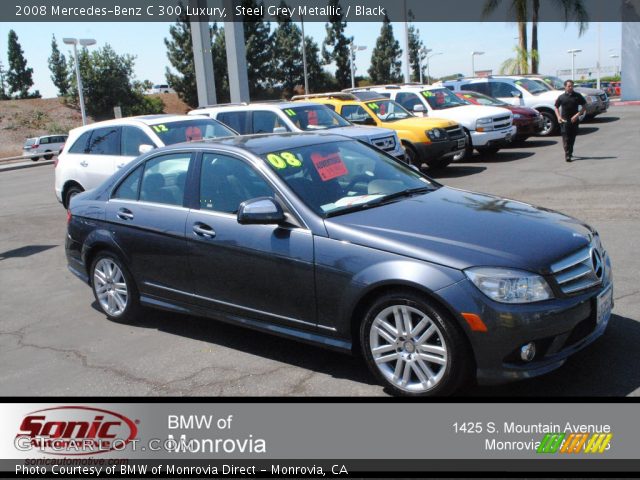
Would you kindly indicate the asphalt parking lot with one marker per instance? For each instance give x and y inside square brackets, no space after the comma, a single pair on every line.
[55,341]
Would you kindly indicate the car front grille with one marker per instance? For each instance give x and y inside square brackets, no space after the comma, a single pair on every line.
[454,132]
[501,122]
[582,270]
[388,144]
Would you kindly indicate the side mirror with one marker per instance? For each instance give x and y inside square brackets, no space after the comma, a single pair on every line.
[260,211]
[419,108]
[279,130]
[144,148]
[516,94]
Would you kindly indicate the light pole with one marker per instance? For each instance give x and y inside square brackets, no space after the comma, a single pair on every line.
[573,52]
[473,64]
[614,56]
[422,54]
[304,59]
[428,73]
[352,57]
[85,42]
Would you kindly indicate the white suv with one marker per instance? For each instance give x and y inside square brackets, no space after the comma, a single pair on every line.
[515,90]
[487,128]
[94,152]
[280,117]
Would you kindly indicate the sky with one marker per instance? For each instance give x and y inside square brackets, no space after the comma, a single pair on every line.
[455,41]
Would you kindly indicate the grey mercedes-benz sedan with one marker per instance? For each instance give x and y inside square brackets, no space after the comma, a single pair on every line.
[330,241]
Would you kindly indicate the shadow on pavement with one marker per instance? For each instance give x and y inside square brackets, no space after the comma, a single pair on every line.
[535,143]
[604,119]
[291,352]
[587,130]
[456,171]
[502,156]
[577,158]
[608,367]
[25,251]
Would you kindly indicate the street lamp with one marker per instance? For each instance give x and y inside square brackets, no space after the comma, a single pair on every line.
[573,52]
[615,61]
[85,42]
[352,57]
[429,74]
[304,59]
[422,54]
[473,65]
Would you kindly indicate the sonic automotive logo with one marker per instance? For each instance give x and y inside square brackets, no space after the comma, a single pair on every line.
[575,443]
[74,430]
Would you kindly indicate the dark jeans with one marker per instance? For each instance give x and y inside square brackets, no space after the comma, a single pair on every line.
[569,131]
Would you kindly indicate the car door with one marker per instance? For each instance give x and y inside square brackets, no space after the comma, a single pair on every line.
[147,214]
[263,272]
[98,162]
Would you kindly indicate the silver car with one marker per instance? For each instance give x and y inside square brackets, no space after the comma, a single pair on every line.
[49,145]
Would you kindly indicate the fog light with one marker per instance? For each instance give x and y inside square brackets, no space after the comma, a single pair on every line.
[528,351]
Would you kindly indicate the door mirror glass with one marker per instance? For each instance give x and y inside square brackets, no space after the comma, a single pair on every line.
[279,130]
[144,148]
[260,211]
[516,94]
[419,108]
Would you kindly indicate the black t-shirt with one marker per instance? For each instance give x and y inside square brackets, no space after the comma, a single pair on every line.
[569,104]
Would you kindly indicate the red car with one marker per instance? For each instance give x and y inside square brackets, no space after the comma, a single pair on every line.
[528,120]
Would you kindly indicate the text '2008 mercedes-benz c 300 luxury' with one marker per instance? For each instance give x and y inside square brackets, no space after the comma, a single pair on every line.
[333,242]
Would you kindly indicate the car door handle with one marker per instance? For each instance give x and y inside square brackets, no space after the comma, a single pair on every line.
[203,230]
[125,214]
[84,163]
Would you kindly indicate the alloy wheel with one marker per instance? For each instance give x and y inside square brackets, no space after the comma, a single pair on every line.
[111,287]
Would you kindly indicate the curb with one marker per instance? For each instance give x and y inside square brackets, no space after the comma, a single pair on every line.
[625,103]
[20,166]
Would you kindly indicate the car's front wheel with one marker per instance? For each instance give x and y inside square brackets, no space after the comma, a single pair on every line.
[414,347]
[114,288]
[549,124]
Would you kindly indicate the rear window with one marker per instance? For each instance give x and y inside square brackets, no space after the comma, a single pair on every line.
[236,120]
[190,130]
[105,141]
[29,141]
[81,144]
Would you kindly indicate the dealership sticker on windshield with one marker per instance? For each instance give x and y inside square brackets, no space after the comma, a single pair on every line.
[329,166]
[290,112]
[427,94]
[283,160]
[160,128]
[373,106]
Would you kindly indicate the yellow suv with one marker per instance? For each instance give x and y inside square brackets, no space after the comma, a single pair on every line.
[430,142]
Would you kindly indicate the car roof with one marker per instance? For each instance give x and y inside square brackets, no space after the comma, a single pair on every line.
[260,144]
[139,120]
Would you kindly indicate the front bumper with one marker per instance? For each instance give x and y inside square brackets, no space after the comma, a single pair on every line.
[528,126]
[494,138]
[430,152]
[559,328]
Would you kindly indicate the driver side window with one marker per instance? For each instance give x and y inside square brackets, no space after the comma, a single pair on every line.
[356,114]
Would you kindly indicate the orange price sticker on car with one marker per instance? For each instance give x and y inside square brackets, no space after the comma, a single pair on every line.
[329,166]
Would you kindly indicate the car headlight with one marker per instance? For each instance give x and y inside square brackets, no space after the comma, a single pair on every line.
[509,286]
[483,124]
[435,134]
[516,116]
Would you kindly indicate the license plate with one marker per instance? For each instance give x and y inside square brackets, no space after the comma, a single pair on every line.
[604,304]
[462,142]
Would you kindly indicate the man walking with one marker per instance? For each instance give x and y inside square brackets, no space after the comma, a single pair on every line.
[569,106]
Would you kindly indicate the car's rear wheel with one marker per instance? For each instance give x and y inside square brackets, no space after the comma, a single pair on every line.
[49,156]
[413,347]
[114,288]
[72,191]
[35,159]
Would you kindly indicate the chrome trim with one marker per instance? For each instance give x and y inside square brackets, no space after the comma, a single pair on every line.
[148,204]
[567,262]
[579,271]
[233,305]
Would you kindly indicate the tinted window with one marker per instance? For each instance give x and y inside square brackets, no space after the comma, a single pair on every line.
[44,140]
[408,100]
[81,144]
[132,138]
[265,122]
[129,188]
[355,113]
[164,179]
[314,117]
[501,89]
[226,182]
[188,130]
[236,120]
[105,141]
[477,87]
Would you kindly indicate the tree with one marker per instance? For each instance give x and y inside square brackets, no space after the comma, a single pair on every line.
[518,65]
[286,61]
[415,45]
[258,50]
[319,80]
[219,54]
[180,54]
[59,70]
[336,47]
[3,88]
[108,81]
[385,58]
[19,77]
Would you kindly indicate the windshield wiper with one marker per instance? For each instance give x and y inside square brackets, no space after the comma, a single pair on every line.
[381,201]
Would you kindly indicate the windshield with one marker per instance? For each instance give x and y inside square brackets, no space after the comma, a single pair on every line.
[443,98]
[481,99]
[542,83]
[388,110]
[555,82]
[315,117]
[29,141]
[189,130]
[534,88]
[339,177]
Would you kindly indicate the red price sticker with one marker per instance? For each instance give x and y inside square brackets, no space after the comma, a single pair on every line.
[329,166]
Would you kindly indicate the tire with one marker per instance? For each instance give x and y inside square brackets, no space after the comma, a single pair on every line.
[48,157]
[550,124]
[468,151]
[412,155]
[488,150]
[398,360]
[72,191]
[35,159]
[114,288]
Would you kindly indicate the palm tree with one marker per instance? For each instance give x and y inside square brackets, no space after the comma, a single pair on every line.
[518,65]
[519,9]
